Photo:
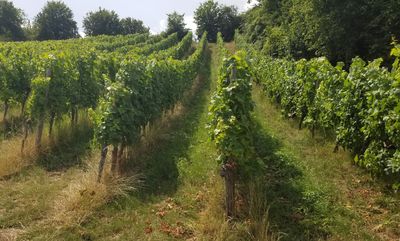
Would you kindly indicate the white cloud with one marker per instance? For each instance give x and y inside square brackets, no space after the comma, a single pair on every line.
[248,5]
[189,21]
[163,25]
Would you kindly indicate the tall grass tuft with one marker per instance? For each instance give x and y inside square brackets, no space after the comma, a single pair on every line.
[65,145]
[11,158]
[252,220]
[84,195]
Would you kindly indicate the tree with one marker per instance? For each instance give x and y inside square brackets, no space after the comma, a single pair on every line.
[206,17]
[229,21]
[30,31]
[176,24]
[102,22]
[11,19]
[213,18]
[337,29]
[132,26]
[56,21]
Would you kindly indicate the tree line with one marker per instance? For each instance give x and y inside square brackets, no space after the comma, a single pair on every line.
[337,29]
[56,21]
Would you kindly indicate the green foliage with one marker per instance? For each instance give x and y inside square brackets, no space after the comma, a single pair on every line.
[176,24]
[206,19]
[102,22]
[222,51]
[362,105]
[211,17]
[119,78]
[51,90]
[85,90]
[164,44]
[132,26]
[115,119]
[6,83]
[105,22]
[37,101]
[143,89]
[17,70]
[11,19]
[55,21]
[30,31]
[229,20]
[339,30]
[178,51]
[231,123]
[122,43]
[22,70]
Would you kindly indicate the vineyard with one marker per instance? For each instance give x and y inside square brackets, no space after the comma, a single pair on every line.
[110,79]
[107,90]
[359,106]
[168,137]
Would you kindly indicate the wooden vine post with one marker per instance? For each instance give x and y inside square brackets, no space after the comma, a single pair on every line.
[6,107]
[27,126]
[104,150]
[228,172]
[114,159]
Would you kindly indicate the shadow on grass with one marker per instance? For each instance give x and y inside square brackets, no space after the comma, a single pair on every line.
[68,149]
[294,212]
[157,161]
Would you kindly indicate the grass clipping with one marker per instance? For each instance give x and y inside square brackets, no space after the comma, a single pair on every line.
[84,195]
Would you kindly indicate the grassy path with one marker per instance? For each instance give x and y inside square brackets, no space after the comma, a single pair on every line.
[315,194]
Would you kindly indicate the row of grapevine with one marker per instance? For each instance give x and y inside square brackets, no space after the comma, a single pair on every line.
[222,51]
[361,105]
[99,43]
[61,81]
[16,72]
[124,90]
[19,62]
[179,51]
[231,124]
[144,88]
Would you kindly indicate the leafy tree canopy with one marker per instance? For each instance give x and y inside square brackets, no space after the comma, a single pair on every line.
[101,22]
[176,24]
[213,17]
[55,21]
[338,29]
[11,19]
[132,26]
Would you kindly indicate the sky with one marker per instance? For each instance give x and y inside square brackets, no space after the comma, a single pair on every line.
[152,12]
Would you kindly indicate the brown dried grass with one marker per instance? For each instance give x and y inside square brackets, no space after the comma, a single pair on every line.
[84,195]
[11,158]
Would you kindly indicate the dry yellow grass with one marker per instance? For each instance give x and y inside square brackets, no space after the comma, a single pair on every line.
[84,195]
[10,234]
[213,225]
[11,158]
